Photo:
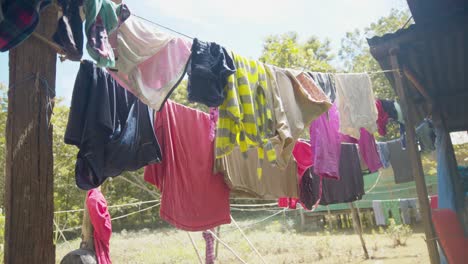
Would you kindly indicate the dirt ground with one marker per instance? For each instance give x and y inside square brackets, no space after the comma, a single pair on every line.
[274,242]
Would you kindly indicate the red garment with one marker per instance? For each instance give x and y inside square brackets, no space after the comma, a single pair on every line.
[451,235]
[382,118]
[193,198]
[303,154]
[285,202]
[100,218]
[434,202]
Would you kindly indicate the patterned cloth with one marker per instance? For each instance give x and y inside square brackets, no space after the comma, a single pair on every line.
[245,117]
[19,19]
[209,253]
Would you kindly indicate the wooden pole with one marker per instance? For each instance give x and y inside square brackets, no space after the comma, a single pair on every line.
[218,233]
[415,159]
[29,202]
[358,228]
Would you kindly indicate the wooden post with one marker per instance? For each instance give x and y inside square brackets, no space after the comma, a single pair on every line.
[218,233]
[358,228]
[415,159]
[29,202]
[301,211]
[330,218]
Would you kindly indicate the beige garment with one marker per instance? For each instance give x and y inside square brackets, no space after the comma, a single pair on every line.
[240,174]
[294,108]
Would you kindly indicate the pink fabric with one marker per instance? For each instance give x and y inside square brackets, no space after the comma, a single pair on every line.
[214,114]
[283,202]
[193,198]
[209,252]
[451,235]
[368,151]
[382,118]
[325,142]
[101,221]
[302,152]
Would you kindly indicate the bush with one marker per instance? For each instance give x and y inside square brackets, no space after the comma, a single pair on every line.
[398,233]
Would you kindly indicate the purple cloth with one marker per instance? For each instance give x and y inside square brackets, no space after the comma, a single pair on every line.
[209,253]
[325,141]
[368,151]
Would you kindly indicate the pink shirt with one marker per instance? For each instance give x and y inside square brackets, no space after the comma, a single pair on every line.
[303,154]
[325,141]
[101,220]
[193,197]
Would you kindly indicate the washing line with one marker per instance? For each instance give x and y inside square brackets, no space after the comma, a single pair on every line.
[112,206]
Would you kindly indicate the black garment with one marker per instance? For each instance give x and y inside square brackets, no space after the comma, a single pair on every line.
[208,70]
[389,108]
[350,187]
[111,127]
[426,136]
[309,188]
[69,33]
[326,82]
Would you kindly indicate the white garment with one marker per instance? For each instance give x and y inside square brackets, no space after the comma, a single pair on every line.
[356,103]
[378,213]
[150,62]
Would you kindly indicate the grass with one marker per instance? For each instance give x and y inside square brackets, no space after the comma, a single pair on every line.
[276,240]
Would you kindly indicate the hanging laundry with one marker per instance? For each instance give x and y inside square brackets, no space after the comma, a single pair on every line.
[310,189]
[302,153]
[193,197]
[208,70]
[400,161]
[151,63]
[326,82]
[209,252]
[391,209]
[286,202]
[382,118]
[240,174]
[408,209]
[321,103]
[325,142]
[384,154]
[368,151]
[69,33]
[350,187]
[400,118]
[245,117]
[389,108]
[356,103]
[110,126]
[102,225]
[450,234]
[19,20]
[434,201]
[426,136]
[378,213]
[102,18]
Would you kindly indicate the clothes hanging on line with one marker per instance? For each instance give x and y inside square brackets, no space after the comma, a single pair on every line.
[378,213]
[240,174]
[245,117]
[208,70]
[400,161]
[326,82]
[110,126]
[389,108]
[356,103]
[209,247]
[350,187]
[103,17]
[151,63]
[294,108]
[302,153]
[391,209]
[102,225]
[18,21]
[193,197]
[285,202]
[69,32]
[368,150]
[382,118]
[384,154]
[426,136]
[409,210]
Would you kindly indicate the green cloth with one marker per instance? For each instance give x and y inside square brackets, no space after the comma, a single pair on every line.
[392,206]
[109,13]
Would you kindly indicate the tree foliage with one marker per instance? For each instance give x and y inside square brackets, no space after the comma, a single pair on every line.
[286,51]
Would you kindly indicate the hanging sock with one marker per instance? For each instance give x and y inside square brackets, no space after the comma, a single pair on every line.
[209,253]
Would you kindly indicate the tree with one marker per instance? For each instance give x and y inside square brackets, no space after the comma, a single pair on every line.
[286,51]
[355,52]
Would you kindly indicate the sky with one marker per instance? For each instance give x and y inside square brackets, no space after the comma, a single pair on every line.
[242,25]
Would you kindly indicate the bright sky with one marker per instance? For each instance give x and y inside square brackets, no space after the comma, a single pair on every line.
[242,25]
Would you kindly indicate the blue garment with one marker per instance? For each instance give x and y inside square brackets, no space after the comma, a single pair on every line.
[384,154]
[445,186]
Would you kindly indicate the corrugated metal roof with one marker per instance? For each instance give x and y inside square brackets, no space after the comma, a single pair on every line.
[437,54]
[424,11]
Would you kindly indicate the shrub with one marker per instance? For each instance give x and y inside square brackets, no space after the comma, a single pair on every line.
[398,233]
